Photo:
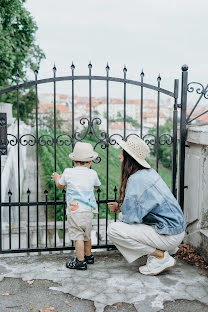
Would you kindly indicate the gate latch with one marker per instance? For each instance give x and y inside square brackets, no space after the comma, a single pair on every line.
[3,134]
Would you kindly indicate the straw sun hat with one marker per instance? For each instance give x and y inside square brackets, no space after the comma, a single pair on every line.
[136,148]
[83,152]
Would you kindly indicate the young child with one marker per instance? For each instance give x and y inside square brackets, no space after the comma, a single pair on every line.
[81,203]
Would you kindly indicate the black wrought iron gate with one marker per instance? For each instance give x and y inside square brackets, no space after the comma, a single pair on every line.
[10,232]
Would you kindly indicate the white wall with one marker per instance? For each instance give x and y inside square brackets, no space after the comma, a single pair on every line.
[196,195]
[9,169]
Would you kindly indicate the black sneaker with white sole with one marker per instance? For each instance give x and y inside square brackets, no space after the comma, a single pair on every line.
[89,259]
[76,264]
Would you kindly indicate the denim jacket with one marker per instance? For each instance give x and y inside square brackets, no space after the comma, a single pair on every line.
[148,200]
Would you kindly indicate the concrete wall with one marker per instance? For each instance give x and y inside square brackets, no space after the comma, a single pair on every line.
[50,234]
[196,195]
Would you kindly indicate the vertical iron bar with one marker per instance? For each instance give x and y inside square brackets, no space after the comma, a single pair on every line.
[141,107]
[124,71]
[37,158]
[46,200]
[54,106]
[72,69]
[115,192]
[28,219]
[158,123]
[10,231]
[107,151]
[18,156]
[174,146]
[64,216]
[98,223]
[90,94]
[0,210]
[183,134]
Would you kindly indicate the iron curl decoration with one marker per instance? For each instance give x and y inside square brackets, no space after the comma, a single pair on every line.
[43,141]
[103,134]
[12,142]
[103,146]
[199,90]
[82,122]
[113,141]
[67,141]
[206,94]
[151,141]
[131,135]
[28,141]
[168,139]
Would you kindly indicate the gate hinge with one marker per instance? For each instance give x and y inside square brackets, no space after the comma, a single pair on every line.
[186,186]
[179,105]
[3,134]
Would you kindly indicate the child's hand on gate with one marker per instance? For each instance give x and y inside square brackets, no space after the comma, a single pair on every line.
[114,207]
[55,176]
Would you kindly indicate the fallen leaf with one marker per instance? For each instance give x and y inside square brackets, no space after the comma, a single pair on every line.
[68,303]
[30,309]
[119,304]
[47,308]
[30,282]
[189,254]
[6,293]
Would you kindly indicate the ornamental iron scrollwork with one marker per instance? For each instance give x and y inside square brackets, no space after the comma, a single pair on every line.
[165,138]
[150,139]
[192,86]
[43,141]
[13,141]
[60,141]
[203,93]
[78,134]
[28,141]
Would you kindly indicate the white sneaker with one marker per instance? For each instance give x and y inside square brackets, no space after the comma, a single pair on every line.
[173,251]
[155,265]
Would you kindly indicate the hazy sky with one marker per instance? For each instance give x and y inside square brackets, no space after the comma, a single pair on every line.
[158,36]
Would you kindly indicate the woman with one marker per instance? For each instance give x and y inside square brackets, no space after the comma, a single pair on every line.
[152,220]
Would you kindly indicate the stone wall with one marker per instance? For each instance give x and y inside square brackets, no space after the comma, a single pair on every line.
[196,195]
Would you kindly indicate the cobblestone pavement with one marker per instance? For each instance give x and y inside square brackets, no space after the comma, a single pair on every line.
[111,284]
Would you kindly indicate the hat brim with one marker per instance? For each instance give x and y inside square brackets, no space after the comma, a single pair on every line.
[74,157]
[125,146]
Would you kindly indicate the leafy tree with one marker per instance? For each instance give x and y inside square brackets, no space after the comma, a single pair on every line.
[164,151]
[18,51]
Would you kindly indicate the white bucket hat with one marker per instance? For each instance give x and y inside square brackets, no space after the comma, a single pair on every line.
[83,152]
[136,148]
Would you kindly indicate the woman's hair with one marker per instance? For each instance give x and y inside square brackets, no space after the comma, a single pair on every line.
[128,167]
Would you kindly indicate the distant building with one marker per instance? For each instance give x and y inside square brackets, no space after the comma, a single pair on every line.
[99,110]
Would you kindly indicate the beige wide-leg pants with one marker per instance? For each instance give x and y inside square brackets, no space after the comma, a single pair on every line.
[137,240]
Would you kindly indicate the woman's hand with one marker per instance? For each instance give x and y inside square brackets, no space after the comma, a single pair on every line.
[114,207]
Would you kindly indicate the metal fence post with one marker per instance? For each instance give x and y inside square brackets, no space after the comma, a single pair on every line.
[3,151]
[183,134]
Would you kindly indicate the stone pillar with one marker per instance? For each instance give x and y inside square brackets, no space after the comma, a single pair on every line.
[196,193]
[7,108]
